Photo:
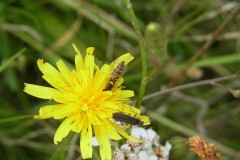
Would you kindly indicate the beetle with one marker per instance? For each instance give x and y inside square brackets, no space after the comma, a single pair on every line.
[122,117]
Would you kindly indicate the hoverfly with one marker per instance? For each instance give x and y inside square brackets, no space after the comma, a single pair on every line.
[116,74]
[120,116]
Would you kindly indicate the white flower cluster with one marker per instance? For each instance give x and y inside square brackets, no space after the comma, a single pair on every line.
[149,148]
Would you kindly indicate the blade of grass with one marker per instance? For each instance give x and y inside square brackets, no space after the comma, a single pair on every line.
[219,60]
[15,118]
[102,18]
[213,61]
[10,60]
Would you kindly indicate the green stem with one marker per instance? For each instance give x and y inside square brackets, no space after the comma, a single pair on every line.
[142,45]
[15,118]
[60,152]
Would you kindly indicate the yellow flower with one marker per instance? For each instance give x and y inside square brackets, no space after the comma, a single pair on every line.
[83,101]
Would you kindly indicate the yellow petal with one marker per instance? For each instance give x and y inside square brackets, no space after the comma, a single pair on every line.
[79,65]
[130,110]
[66,74]
[83,79]
[40,91]
[124,134]
[78,123]
[102,96]
[103,141]
[89,65]
[109,104]
[100,78]
[86,140]
[111,132]
[76,49]
[63,130]
[52,76]
[65,111]
[144,119]
[47,111]
[55,82]
[93,118]
[90,50]
[47,68]
[104,113]
[126,58]
[104,70]
[125,94]
[66,97]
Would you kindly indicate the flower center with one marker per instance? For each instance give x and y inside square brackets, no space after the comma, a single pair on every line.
[88,103]
[91,100]
[85,107]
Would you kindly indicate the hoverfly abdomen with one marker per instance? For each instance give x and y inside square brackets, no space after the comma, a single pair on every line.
[116,74]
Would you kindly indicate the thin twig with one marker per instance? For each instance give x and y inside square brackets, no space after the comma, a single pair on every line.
[142,45]
[100,17]
[206,45]
[190,85]
[200,38]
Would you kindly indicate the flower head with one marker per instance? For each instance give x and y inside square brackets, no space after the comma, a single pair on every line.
[148,148]
[83,101]
[204,150]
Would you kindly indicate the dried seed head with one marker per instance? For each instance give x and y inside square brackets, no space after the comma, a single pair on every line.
[203,149]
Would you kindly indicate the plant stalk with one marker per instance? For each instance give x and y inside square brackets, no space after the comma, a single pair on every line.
[142,45]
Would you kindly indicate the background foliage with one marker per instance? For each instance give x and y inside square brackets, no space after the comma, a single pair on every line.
[174,31]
